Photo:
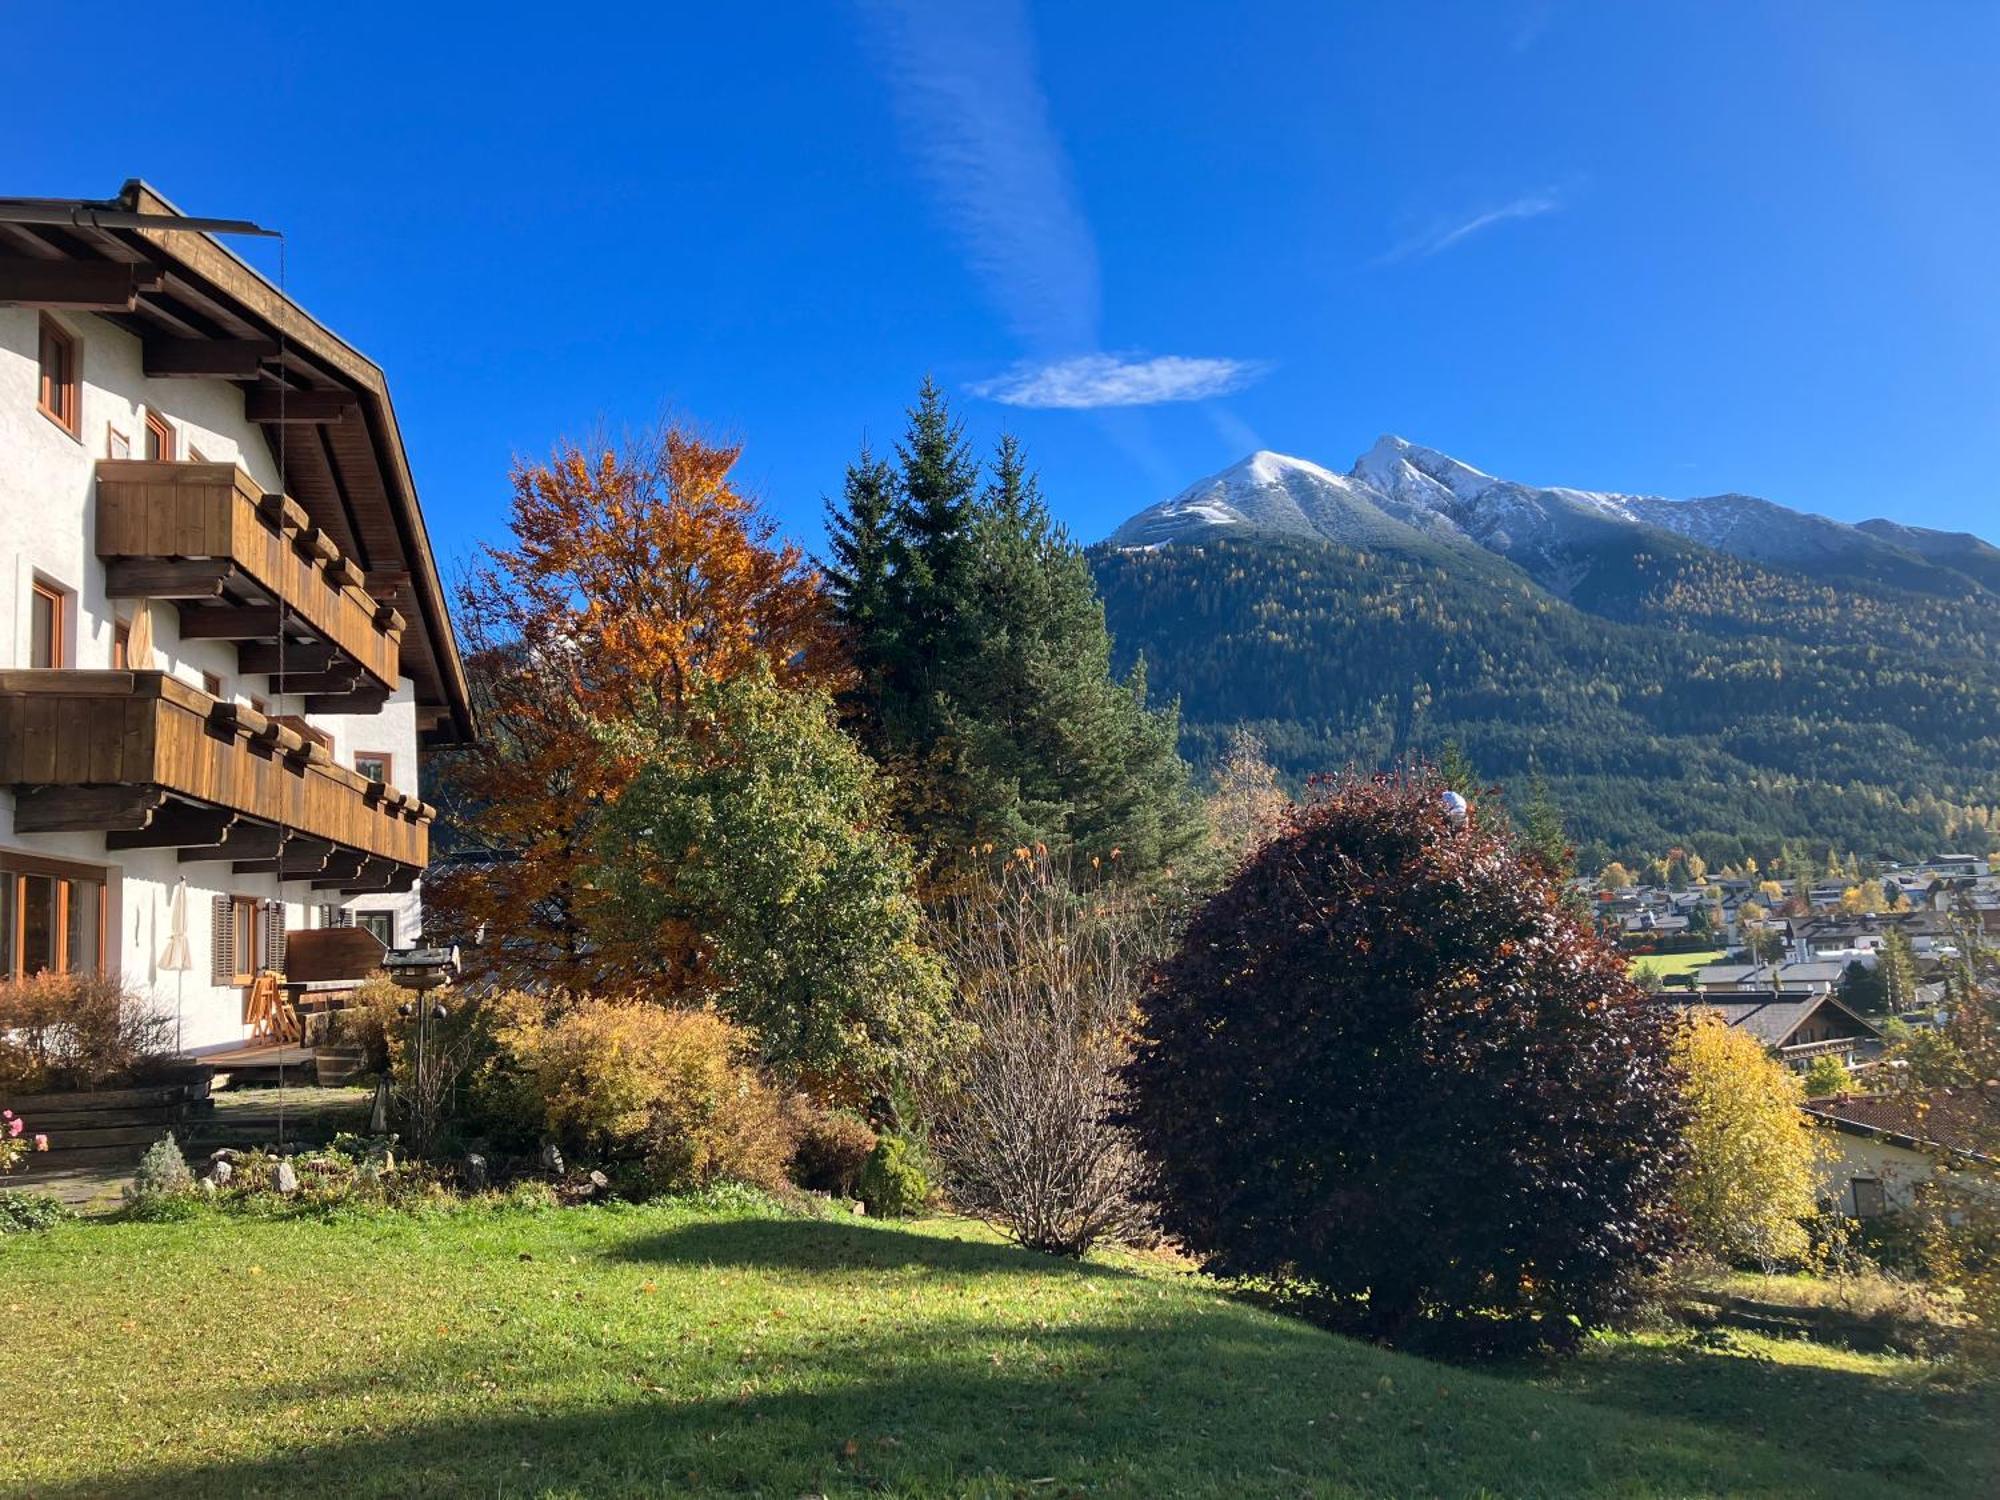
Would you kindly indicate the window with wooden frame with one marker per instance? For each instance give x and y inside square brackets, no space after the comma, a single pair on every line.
[52,917]
[47,643]
[211,684]
[381,923]
[1870,1201]
[159,436]
[59,394]
[235,947]
[116,444]
[375,765]
[121,645]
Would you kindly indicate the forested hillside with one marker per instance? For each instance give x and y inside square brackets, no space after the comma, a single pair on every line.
[1685,696]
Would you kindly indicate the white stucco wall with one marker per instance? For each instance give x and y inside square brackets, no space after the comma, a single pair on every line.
[47,529]
[1899,1170]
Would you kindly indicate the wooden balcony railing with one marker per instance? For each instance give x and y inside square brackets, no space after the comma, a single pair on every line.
[244,565]
[154,763]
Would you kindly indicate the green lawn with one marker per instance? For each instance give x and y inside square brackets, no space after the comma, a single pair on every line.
[1667,964]
[667,1350]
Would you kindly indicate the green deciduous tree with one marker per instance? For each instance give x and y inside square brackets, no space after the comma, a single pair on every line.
[755,832]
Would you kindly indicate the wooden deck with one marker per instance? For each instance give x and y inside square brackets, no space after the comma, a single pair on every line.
[258,1056]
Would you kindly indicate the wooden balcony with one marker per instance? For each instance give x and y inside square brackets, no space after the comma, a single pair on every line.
[247,566]
[153,763]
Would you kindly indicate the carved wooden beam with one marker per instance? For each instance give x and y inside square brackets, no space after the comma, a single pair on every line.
[177,825]
[299,656]
[169,357]
[320,407]
[235,623]
[243,840]
[82,285]
[166,578]
[85,809]
[338,680]
[360,701]
[300,858]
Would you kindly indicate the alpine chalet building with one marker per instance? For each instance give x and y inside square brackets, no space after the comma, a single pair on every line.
[222,634]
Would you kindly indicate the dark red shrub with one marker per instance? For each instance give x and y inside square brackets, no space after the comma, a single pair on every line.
[1392,1075]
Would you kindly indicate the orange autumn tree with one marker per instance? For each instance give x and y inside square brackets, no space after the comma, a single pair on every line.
[637,576]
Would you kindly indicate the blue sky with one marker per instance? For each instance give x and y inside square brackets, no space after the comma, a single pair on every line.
[1676,248]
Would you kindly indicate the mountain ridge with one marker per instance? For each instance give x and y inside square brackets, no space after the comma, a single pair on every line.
[1549,530]
[1723,672]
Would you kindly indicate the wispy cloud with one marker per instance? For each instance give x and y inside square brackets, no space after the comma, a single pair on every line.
[1445,235]
[977,123]
[963,78]
[1088,381]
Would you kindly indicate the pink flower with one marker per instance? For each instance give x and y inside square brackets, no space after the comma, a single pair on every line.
[41,1143]
[15,1126]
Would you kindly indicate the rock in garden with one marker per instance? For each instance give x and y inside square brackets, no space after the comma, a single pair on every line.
[286,1178]
[475,1172]
[552,1158]
[219,1172]
[223,1153]
[599,1182]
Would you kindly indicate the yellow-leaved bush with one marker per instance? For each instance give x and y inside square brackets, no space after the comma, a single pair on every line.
[670,1093]
[1751,1178]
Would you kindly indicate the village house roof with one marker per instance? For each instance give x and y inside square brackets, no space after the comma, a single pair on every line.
[1955,1120]
[1775,1016]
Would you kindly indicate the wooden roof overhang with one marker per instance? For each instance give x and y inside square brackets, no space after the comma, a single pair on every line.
[324,407]
[153,763]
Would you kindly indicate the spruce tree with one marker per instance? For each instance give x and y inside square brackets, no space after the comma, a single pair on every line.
[932,550]
[1542,826]
[986,669]
[861,538]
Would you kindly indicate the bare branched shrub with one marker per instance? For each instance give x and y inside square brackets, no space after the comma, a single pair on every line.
[1049,972]
[70,1031]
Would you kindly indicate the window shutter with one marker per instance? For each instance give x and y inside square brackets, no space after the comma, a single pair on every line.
[274,936]
[222,943]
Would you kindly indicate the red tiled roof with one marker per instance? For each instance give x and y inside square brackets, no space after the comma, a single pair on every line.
[1963,1121]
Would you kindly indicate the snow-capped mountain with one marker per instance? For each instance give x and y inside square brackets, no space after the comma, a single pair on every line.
[1398,494]
[1269,492]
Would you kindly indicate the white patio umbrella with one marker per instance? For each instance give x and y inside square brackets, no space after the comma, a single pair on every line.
[176,955]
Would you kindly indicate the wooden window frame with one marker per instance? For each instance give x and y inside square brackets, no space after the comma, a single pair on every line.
[161,431]
[61,402]
[16,870]
[254,905]
[211,684]
[121,645]
[58,623]
[114,439]
[388,764]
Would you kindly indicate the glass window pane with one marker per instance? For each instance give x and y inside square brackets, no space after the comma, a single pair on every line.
[85,899]
[42,631]
[38,923]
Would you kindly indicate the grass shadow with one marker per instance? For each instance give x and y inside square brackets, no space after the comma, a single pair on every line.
[1889,1425]
[836,1247]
